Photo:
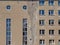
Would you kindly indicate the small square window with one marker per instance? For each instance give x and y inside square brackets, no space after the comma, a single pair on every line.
[51,22]
[51,42]
[51,32]
[8,7]
[51,2]
[42,42]
[41,2]
[24,7]
[41,22]
[41,12]
[42,32]
[51,12]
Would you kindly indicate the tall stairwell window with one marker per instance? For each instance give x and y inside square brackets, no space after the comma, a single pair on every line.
[25,31]
[8,31]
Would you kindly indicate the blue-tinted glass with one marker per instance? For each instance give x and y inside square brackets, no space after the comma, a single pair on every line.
[8,31]
[51,12]
[8,7]
[41,2]
[58,12]
[25,7]
[51,2]
[42,22]
[58,2]
[41,12]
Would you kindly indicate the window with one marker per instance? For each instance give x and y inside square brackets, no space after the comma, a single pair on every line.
[59,22]
[58,12]
[42,42]
[51,2]
[41,12]
[8,7]
[59,32]
[41,2]
[8,31]
[58,2]
[24,7]
[41,22]
[51,22]
[51,42]
[58,42]
[51,32]
[25,31]
[42,32]
[51,12]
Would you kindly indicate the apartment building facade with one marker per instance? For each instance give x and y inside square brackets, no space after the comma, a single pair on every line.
[30,22]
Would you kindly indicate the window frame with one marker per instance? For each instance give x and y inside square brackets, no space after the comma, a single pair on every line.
[51,12]
[51,2]
[42,42]
[51,22]
[51,42]
[41,12]
[41,2]
[42,32]
[41,22]
[51,32]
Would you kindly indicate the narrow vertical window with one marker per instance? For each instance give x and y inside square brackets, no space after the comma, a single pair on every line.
[58,2]
[58,42]
[8,31]
[41,2]
[24,31]
[59,22]
[59,12]
[59,32]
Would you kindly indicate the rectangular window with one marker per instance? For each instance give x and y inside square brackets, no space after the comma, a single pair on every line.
[51,42]
[41,2]
[58,42]
[58,2]
[42,32]
[41,22]
[51,2]
[59,32]
[51,12]
[41,12]
[25,31]
[58,12]
[59,22]
[8,31]
[42,42]
[51,32]
[51,22]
